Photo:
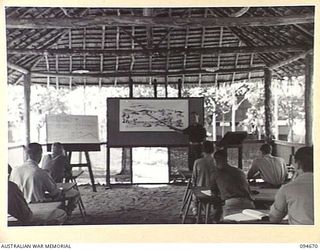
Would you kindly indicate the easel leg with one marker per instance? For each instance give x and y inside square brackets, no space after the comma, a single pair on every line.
[90,171]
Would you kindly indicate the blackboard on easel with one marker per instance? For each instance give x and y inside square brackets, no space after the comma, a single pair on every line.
[77,133]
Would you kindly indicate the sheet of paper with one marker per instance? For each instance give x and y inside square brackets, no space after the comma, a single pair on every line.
[254,213]
[206,192]
[239,217]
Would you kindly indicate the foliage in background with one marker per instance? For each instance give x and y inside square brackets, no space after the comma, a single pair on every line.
[219,102]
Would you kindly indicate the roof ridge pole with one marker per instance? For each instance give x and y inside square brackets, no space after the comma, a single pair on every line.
[267,104]
[308,95]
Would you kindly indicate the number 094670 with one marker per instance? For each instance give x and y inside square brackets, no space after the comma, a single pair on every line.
[308,245]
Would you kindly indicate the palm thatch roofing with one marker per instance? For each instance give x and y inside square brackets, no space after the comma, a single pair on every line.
[107,46]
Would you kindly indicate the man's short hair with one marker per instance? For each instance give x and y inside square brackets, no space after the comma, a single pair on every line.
[33,149]
[208,147]
[266,148]
[305,156]
[9,169]
[57,148]
[220,154]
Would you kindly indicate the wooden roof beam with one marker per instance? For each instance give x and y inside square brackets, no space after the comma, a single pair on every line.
[144,73]
[17,68]
[289,60]
[161,51]
[63,23]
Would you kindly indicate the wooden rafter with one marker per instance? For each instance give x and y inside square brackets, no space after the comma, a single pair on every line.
[145,73]
[289,60]
[17,68]
[58,23]
[161,51]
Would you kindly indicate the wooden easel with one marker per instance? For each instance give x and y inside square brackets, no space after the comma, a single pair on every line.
[78,147]
[87,164]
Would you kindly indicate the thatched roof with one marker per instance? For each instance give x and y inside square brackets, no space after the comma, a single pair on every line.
[196,45]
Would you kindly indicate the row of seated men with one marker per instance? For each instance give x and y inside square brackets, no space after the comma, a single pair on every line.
[29,183]
[293,199]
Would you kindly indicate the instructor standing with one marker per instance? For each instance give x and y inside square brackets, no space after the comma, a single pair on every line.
[197,135]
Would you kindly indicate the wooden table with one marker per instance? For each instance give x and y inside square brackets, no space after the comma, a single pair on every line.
[40,212]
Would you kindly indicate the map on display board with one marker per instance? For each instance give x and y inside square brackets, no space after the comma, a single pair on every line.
[155,115]
[77,129]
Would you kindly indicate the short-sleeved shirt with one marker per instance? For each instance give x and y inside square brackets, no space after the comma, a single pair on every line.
[272,169]
[230,182]
[17,205]
[202,170]
[296,200]
[33,181]
[196,133]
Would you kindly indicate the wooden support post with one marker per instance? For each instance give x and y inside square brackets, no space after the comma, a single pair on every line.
[169,163]
[308,94]
[240,156]
[130,88]
[179,88]
[155,88]
[166,86]
[131,167]
[26,116]
[267,104]
[108,168]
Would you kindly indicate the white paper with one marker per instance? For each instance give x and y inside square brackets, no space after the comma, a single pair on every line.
[206,192]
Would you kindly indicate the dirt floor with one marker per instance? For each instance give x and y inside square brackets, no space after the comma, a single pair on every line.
[131,204]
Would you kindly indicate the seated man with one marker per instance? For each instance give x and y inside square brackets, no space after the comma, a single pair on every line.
[231,185]
[57,163]
[19,209]
[271,169]
[202,170]
[34,182]
[295,199]
[204,167]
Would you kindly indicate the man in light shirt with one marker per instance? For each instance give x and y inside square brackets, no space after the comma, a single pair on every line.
[35,182]
[295,199]
[270,168]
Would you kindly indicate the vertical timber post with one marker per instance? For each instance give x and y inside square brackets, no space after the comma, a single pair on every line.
[267,104]
[130,88]
[179,88]
[308,94]
[26,116]
[155,88]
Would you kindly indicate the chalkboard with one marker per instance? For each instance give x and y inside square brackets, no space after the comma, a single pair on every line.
[72,129]
[141,121]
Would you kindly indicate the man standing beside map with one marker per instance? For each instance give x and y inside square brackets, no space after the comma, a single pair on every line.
[197,135]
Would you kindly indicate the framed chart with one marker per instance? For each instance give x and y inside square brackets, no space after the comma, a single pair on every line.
[143,121]
[155,115]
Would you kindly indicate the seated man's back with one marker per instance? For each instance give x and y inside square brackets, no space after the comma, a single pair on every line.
[17,205]
[204,167]
[33,182]
[57,163]
[55,166]
[202,171]
[272,169]
[295,199]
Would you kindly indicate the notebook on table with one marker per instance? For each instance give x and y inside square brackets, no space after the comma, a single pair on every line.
[248,215]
